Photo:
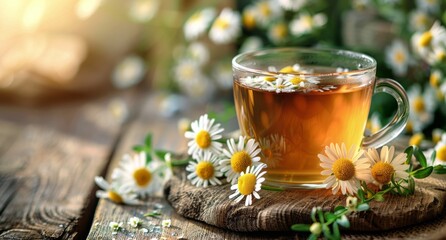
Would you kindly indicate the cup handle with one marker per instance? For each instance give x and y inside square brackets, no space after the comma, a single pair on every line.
[398,122]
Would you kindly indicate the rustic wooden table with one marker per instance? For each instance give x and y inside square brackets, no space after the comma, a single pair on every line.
[50,155]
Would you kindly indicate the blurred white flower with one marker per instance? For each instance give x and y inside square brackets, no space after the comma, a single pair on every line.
[427,43]
[119,109]
[186,70]
[251,43]
[398,58]
[192,81]
[197,24]
[292,5]
[278,32]
[33,14]
[143,10]
[305,23]
[440,148]
[198,52]
[429,5]
[422,107]
[249,17]
[226,27]
[419,21]
[86,8]
[436,78]
[114,193]
[129,72]
[267,11]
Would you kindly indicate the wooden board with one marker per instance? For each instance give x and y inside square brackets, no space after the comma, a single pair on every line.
[48,159]
[277,211]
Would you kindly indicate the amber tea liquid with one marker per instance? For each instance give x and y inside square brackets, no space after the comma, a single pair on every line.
[294,127]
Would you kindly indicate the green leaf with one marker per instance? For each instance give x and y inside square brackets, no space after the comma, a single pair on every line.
[339,209]
[343,221]
[138,148]
[326,231]
[440,169]
[433,156]
[361,195]
[148,141]
[363,207]
[270,188]
[330,216]
[313,237]
[152,214]
[378,197]
[160,154]
[423,172]
[411,185]
[409,152]
[336,233]
[300,227]
[420,157]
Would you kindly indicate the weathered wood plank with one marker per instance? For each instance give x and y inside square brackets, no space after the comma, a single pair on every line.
[48,159]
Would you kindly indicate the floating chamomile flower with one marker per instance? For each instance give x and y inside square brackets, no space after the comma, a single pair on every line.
[129,72]
[278,32]
[133,174]
[239,157]
[281,84]
[267,11]
[292,5]
[114,193]
[429,5]
[344,168]
[226,27]
[385,166]
[204,136]
[398,58]
[197,24]
[252,81]
[305,23]
[422,107]
[420,21]
[248,184]
[205,170]
[440,148]
[143,10]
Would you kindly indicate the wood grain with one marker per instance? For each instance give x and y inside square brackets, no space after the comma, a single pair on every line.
[48,159]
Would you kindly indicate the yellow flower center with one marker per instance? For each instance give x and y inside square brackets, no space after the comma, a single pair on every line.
[196,17]
[240,161]
[246,183]
[221,23]
[434,80]
[307,22]
[115,197]
[205,170]
[280,31]
[439,94]
[441,55]
[418,104]
[409,127]
[296,80]
[264,9]
[269,79]
[382,172]
[343,169]
[203,139]
[400,57]
[287,69]
[416,139]
[425,39]
[441,154]
[187,72]
[249,20]
[142,176]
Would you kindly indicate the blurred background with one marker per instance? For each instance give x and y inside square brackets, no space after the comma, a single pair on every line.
[56,50]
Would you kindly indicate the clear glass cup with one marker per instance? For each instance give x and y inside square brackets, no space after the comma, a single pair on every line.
[296,101]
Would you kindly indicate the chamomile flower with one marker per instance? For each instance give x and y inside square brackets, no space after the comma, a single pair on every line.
[416,139]
[398,58]
[197,24]
[305,23]
[129,72]
[204,136]
[440,148]
[143,10]
[344,168]
[249,17]
[423,43]
[278,32]
[292,5]
[248,184]
[437,133]
[419,21]
[267,11]
[273,146]
[238,157]
[422,107]
[252,81]
[186,70]
[114,193]
[429,5]
[135,175]
[198,52]
[134,222]
[281,84]
[386,166]
[205,170]
[226,27]
[251,43]
[436,78]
